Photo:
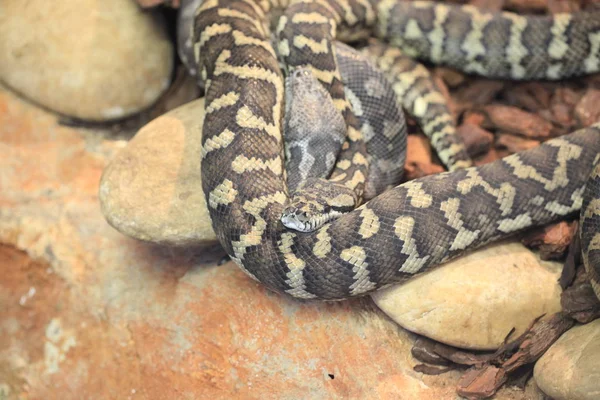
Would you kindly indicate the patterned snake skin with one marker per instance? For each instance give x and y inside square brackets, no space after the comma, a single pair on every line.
[420,96]
[315,131]
[590,229]
[412,227]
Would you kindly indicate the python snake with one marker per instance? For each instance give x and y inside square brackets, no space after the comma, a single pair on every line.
[409,228]
[315,132]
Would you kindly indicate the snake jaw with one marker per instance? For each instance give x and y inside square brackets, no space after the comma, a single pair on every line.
[292,218]
[303,221]
[318,202]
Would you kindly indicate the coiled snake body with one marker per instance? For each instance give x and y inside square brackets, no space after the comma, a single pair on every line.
[315,131]
[412,227]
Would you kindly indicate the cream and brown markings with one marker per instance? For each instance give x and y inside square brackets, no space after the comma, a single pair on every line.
[590,229]
[405,231]
[420,96]
[310,140]
[320,203]
[380,115]
[306,34]
[312,124]
[494,44]
[314,130]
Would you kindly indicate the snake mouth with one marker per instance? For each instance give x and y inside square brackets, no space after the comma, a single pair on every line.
[292,222]
[298,220]
[294,218]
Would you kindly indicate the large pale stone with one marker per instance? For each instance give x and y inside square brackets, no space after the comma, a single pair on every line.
[94,60]
[474,301]
[570,369]
[152,189]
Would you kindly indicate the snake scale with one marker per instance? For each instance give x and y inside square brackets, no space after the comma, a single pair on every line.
[414,226]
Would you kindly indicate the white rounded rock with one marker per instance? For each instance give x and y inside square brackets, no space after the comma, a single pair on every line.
[474,301]
[93,60]
[152,189]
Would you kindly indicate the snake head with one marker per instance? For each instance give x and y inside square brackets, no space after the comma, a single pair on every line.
[297,219]
[316,203]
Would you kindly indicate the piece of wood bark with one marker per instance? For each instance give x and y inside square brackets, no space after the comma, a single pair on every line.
[514,143]
[553,240]
[432,352]
[514,120]
[579,299]
[530,96]
[474,117]
[587,110]
[477,140]
[562,6]
[537,340]
[451,76]
[482,382]
[424,351]
[527,5]
[488,5]
[419,160]
[477,91]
